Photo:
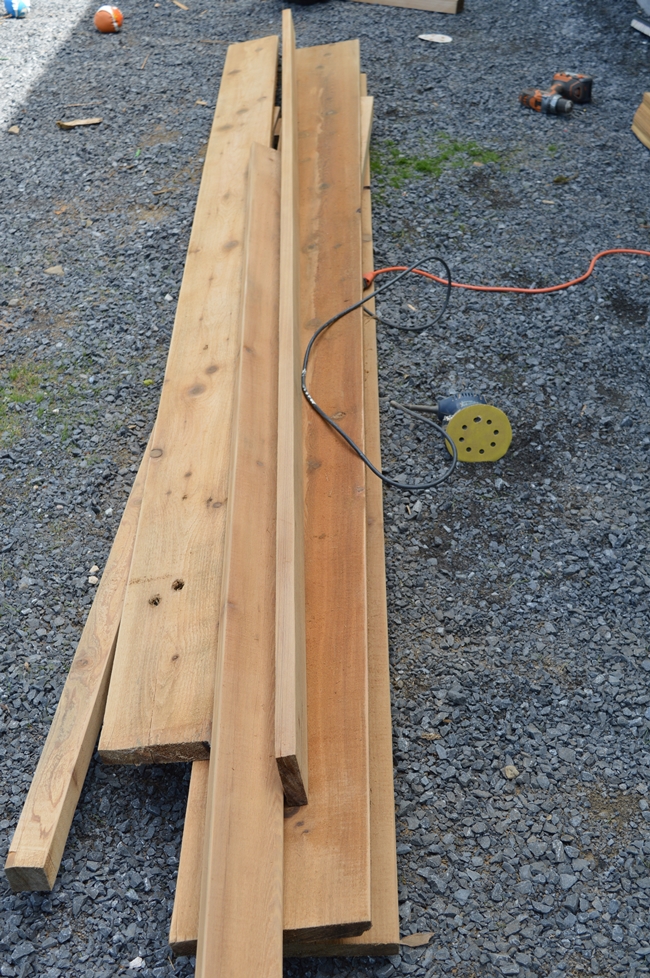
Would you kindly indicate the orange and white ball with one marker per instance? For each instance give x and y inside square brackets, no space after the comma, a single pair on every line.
[108,20]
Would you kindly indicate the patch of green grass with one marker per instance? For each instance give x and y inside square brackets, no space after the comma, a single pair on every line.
[552,148]
[392,168]
[21,384]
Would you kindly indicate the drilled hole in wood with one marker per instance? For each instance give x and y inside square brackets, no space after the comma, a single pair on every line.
[178,585]
[155,600]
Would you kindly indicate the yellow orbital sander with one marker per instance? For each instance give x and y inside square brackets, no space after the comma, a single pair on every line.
[480,431]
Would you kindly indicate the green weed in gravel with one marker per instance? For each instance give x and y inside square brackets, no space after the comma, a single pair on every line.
[392,168]
[20,384]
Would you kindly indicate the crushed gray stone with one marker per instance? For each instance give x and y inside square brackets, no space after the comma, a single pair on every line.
[518,593]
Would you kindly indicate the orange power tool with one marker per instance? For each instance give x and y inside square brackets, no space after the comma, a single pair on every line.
[575,87]
[548,103]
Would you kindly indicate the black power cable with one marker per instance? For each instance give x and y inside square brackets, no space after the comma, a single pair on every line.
[409,329]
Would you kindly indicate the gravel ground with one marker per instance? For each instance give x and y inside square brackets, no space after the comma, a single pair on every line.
[27,46]
[518,594]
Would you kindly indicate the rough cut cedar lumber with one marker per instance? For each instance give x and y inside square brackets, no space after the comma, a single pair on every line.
[39,840]
[240,915]
[436,6]
[185,916]
[184,925]
[641,123]
[290,675]
[327,843]
[383,936]
[367,104]
[160,700]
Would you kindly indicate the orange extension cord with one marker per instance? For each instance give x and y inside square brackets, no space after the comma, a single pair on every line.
[369,279]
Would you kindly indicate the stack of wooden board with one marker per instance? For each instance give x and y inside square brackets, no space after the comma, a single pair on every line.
[641,122]
[241,618]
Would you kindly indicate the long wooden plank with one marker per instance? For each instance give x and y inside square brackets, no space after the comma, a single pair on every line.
[240,917]
[383,936]
[290,673]
[184,925]
[367,106]
[641,121]
[327,843]
[641,135]
[39,840]
[160,700]
[436,6]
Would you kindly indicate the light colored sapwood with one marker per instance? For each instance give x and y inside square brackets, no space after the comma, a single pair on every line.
[290,674]
[240,914]
[160,701]
[39,840]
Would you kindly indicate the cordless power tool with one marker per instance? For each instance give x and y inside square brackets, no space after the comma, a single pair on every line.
[566,89]
[575,87]
[548,103]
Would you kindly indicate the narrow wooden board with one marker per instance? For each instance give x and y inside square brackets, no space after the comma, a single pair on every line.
[645,139]
[383,936]
[641,122]
[367,106]
[240,916]
[327,843]
[39,840]
[160,700]
[290,672]
[435,6]
[75,123]
[184,925]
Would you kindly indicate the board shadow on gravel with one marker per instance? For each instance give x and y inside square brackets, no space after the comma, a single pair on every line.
[518,593]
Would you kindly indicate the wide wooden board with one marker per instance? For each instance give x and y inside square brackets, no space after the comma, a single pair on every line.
[290,673]
[160,700]
[327,843]
[383,936]
[240,916]
[435,6]
[39,840]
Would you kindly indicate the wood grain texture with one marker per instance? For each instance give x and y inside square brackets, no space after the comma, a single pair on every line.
[367,107]
[184,925]
[160,701]
[436,6]
[327,843]
[383,937]
[240,916]
[39,840]
[290,674]
[641,122]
